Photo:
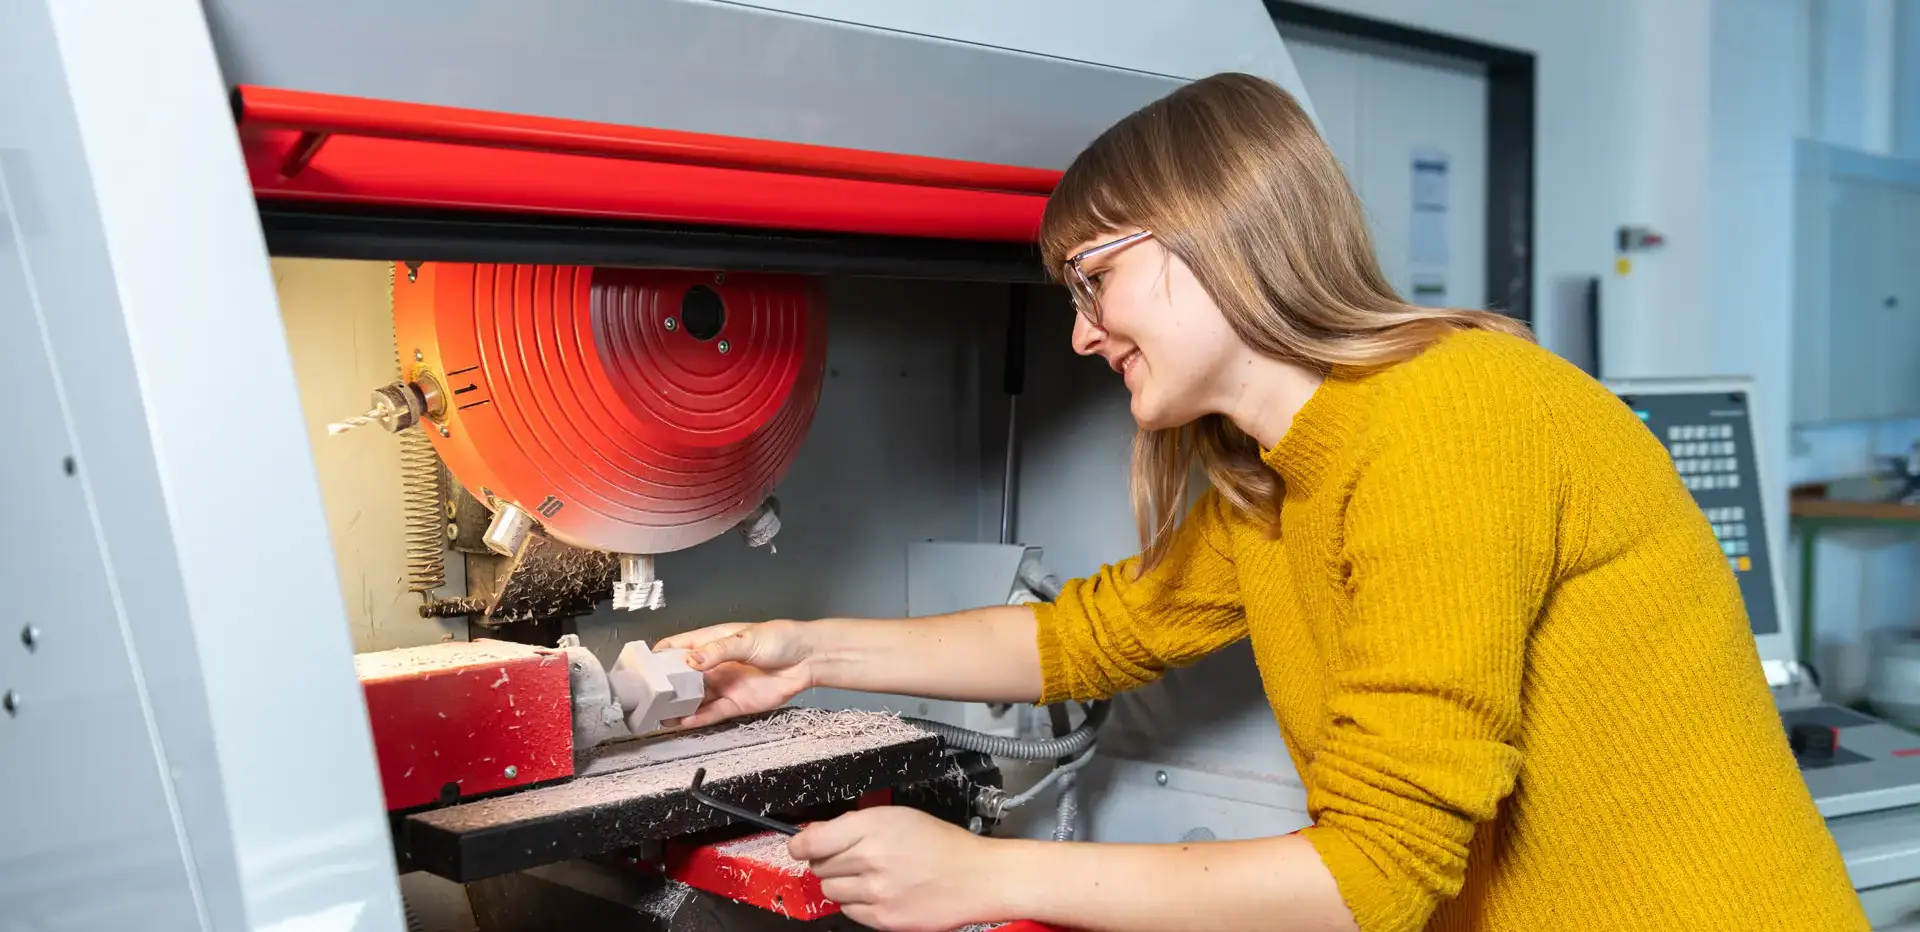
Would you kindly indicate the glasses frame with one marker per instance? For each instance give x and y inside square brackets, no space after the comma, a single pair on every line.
[1085,299]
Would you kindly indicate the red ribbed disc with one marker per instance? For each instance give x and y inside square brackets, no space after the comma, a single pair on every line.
[633,411]
[699,363]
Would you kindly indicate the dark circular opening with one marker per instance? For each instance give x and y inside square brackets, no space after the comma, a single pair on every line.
[449,792]
[703,313]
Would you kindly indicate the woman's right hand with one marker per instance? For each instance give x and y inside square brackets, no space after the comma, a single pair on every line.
[749,668]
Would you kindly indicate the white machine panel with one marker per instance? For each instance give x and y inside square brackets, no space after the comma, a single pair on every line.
[189,748]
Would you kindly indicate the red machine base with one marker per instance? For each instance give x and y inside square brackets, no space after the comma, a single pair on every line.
[462,719]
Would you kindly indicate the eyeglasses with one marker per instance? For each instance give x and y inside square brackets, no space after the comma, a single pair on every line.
[1086,297]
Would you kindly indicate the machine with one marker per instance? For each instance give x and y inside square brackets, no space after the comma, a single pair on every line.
[646,275]
[1863,772]
[386,378]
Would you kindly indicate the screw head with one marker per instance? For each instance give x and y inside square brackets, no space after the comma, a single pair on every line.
[444,432]
[11,702]
[418,356]
[671,323]
[1160,777]
[719,278]
[512,771]
[30,636]
[724,347]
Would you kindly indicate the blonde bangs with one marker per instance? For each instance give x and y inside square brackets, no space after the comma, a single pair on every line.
[1082,208]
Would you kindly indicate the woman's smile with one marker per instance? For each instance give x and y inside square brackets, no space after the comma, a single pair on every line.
[1125,366]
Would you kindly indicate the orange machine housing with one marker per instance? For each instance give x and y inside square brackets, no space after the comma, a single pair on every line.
[629,410]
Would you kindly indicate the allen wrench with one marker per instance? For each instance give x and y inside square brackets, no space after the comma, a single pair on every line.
[700,796]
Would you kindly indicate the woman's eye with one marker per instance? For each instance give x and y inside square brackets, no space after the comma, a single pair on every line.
[1096,279]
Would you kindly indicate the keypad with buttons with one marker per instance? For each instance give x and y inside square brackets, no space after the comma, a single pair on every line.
[1709,438]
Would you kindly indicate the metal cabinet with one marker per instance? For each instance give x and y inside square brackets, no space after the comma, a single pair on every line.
[1857,314]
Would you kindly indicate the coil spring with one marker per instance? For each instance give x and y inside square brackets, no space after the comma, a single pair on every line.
[425,514]
[422,495]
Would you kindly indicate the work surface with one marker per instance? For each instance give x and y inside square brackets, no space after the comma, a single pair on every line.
[635,791]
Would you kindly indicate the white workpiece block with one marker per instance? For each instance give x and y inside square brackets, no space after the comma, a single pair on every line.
[653,686]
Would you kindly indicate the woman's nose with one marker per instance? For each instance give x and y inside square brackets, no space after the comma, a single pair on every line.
[1086,337]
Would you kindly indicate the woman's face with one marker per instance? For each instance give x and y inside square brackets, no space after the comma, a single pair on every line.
[1159,330]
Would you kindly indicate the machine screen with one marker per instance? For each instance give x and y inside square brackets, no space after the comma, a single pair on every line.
[1710,437]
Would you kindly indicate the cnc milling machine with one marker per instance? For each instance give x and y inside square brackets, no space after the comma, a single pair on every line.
[387,373]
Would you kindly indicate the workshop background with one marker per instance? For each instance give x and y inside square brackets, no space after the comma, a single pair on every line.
[1667,189]
[1723,126]
[1764,145]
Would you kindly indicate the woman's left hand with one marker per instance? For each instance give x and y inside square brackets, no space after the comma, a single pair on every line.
[900,870]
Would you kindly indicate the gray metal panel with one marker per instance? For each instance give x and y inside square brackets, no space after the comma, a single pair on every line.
[1883,781]
[1881,848]
[1178,38]
[197,755]
[687,65]
[953,576]
[1147,802]
[88,804]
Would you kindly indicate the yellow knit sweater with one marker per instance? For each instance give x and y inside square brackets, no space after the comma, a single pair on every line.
[1509,658]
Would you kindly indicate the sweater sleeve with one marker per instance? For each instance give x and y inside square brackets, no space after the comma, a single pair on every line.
[1449,548]
[1117,630]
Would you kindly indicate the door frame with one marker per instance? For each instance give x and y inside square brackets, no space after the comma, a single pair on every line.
[1510,137]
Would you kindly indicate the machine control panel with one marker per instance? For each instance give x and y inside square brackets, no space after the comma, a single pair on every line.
[1853,763]
[1709,436]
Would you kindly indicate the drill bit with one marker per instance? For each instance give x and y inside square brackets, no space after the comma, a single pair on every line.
[379,411]
[359,420]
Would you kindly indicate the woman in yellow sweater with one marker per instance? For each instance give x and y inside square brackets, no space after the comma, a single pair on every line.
[1509,659]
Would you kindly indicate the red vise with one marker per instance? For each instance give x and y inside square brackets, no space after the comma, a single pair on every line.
[464,718]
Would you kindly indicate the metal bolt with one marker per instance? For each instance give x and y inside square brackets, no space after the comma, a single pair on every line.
[719,278]
[724,347]
[1160,777]
[672,324]
[11,703]
[30,636]
[413,271]
[418,356]
[512,771]
[444,432]
[976,825]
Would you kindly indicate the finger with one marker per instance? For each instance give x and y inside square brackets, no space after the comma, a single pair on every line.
[823,840]
[846,891]
[717,709]
[688,640]
[848,864]
[735,647]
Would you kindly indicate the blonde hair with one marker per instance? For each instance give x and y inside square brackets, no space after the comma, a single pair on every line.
[1231,176]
